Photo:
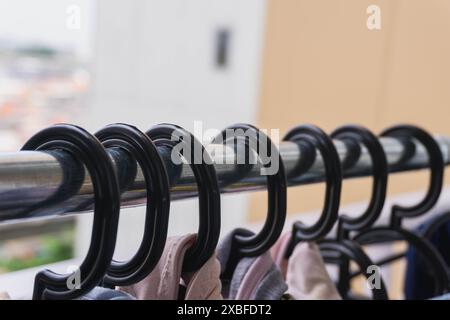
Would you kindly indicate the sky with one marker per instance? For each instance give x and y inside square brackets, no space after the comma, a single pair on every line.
[46,21]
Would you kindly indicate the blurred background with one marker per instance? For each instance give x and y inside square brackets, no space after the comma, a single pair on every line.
[274,63]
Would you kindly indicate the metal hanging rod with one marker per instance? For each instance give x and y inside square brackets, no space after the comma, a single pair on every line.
[37,184]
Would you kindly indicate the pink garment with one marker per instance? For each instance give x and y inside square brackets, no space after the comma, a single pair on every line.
[305,272]
[259,268]
[163,282]
[278,252]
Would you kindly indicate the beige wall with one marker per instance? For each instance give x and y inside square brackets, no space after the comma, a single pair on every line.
[322,65]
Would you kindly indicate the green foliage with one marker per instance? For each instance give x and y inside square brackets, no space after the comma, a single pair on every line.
[52,248]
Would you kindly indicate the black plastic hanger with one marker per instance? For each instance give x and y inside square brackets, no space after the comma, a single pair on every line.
[394,230]
[87,149]
[142,150]
[245,244]
[193,151]
[309,138]
[361,135]
[342,244]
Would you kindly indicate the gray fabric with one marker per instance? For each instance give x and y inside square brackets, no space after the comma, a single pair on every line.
[224,248]
[272,286]
[238,275]
[100,293]
[230,286]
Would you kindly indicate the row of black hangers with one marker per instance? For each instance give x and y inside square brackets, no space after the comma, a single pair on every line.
[99,268]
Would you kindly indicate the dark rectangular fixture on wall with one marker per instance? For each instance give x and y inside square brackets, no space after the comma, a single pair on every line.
[222,47]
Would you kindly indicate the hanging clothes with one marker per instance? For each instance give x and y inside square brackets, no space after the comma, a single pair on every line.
[305,272]
[257,270]
[272,284]
[168,282]
[418,280]
[254,278]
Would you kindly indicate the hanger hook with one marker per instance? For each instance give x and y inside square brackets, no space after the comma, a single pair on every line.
[361,135]
[145,153]
[87,149]
[436,164]
[258,142]
[333,178]
[186,145]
